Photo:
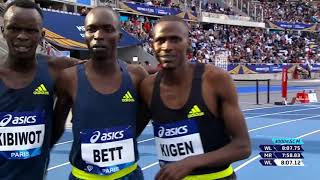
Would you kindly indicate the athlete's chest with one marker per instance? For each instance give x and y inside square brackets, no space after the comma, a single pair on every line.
[175,96]
[15,80]
[105,85]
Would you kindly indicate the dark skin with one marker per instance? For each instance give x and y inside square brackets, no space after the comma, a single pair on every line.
[23,32]
[102,70]
[170,46]
[149,68]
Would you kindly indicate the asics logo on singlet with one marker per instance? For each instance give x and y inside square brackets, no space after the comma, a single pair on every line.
[106,136]
[161,131]
[17,120]
[172,131]
[195,111]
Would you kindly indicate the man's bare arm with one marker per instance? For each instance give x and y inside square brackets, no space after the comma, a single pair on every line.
[143,116]
[239,147]
[61,111]
[61,63]
[62,107]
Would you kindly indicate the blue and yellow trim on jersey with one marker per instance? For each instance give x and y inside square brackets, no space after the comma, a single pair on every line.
[117,175]
[217,175]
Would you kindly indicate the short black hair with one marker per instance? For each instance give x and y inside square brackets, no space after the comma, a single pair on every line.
[172,18]
[23,4]
[115,13]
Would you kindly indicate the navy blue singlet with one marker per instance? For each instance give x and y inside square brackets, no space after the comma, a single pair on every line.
[104,127]
[25,126]
[191,130]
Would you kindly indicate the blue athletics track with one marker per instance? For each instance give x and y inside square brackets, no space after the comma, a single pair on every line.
[264,122]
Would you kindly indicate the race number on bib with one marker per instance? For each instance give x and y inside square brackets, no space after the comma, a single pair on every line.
[176,141]
[107,151]
[21,134]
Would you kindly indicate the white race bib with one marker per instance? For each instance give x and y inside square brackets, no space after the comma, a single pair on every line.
[21,134]
[107,150]
[178,140]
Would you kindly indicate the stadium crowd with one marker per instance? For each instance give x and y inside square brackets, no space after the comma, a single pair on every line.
[157,3]
[241,44]
[214,7]
[299,11]
[256,45]
[207,6]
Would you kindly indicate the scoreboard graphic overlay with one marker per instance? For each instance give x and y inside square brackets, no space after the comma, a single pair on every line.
[283,152]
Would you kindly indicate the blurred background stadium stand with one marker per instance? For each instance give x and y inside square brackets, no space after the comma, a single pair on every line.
[255,39]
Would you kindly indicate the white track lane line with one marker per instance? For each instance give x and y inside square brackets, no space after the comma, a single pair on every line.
[297,110]
[153,164]
[259,128]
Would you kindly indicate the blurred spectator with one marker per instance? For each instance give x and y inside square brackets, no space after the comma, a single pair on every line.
[216,8]
[241,44]
[84,11]
[290,11]
[156,3]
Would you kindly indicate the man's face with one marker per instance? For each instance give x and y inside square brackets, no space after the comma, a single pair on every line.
[102,33]
[22,31]
[170,43]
